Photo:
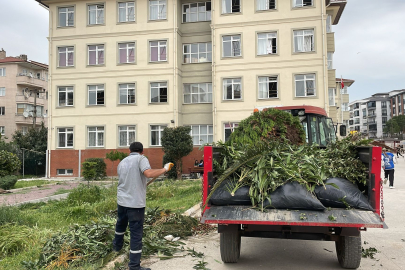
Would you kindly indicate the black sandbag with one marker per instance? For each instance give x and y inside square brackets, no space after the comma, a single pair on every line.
[293,196]
[347,192]
[221,196]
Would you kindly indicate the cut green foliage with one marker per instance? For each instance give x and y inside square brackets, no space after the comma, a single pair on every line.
[369,252]
[194,253]
[332,218]
[201,265]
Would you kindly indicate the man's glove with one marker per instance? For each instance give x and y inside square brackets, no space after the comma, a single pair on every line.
[168,166]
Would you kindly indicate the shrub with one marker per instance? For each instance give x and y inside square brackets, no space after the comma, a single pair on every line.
[9,163]
[94,169]
[10,214]
[85,194]
[8,181]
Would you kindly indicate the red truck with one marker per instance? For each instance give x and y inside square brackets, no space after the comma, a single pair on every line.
[237,221]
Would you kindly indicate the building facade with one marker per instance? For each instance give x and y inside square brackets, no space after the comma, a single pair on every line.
[125,70]
[338,99]
[23,87]
[397,98]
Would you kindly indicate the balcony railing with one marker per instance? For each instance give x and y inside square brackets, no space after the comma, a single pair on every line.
[29,80]
[20,119]
[20,98]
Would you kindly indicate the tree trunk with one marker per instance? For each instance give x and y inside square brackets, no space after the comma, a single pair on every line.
[179,165]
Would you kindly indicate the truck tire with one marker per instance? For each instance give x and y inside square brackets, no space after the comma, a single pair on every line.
[348,249]
[230,246]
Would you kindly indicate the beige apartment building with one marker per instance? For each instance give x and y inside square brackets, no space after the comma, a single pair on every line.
[23,87]
[338,97]
[124,70]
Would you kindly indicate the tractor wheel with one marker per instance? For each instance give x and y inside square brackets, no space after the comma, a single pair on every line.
[348,249]
[230,246]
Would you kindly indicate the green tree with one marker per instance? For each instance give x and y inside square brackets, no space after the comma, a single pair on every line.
[115,155]
[9,163]
[396,125]
[177,143]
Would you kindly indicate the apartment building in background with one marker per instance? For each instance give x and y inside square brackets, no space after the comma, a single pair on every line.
[338,98]
[124,70]
[397,98]
[23,84]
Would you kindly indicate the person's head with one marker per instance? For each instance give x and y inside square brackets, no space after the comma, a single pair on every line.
[136,147]
[196,162]
[201,161]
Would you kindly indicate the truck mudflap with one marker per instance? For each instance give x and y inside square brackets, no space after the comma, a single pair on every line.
[328,218]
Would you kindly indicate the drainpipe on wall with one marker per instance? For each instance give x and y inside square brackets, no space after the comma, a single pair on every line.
[50,96]
[325,83]
[213,65]
[175,90]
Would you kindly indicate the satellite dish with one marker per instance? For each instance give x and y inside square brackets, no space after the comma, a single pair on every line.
[44,115]
[25,114]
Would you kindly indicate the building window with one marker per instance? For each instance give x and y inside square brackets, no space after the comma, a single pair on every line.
[345,107]
[330,60]
[156,135]
[229,128]
[230,6]
[66,16]
[96,14]
[3,110]
[304,41]
[96,94]
[384,120]
[357,113]
[232,89]
[231,46]
[65,136]
[197,12]
[266,43]
[24,130]
[158,92]
[202,134]
[305,85]
[331,95]
[126,11]
[157,9]
[268,87]
[197,93]
[383,104]
[302,3]
[126,135]
[329,24]
[96,54]
[66,56]
[2,72]
[127,52]
[96,136]
[127,93]
[2,91]
[2,130]
[65,96]
[64,171]
[266,4]
[343,90]
[158,51]
[197,52]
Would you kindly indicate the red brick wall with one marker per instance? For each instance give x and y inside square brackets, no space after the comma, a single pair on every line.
[69,159]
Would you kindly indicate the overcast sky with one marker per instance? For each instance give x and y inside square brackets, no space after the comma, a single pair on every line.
[369,41]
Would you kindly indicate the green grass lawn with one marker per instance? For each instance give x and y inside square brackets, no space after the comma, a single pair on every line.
[33,183]
[81,207]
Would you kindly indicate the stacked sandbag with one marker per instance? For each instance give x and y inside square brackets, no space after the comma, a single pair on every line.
[222,196]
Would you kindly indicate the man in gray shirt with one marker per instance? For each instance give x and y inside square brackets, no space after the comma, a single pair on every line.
[133,173]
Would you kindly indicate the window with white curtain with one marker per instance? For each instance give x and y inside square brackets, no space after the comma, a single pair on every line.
[158,92]
[157,9]
[197,12]
[197,93]
[65,137]
[345,107]
[95,136]
[96,54]
[66,56]
[96,94]
[2,72]
[304,40]
[158,51]
[229,128]
[2,91]
[330,60]
[66,16]
[266,4]
[197,52]
[231,46]
[266,43]
[127,93]
[126,11]
[156,135]
[305,85]
[329,24]
[65,96]
[96,14]
[230,6]
[202,134]
[127,135]
[331,95]
[268,87]
[2,130]
[232,89]
[302,3]
[126,52]
[3,110]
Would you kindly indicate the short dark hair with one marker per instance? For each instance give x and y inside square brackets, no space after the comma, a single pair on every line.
[136,147]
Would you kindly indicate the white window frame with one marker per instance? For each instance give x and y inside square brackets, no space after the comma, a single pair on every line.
[160,85]
[231,126]
[99,48]
[224,3]
[98,130]
[331,96]
[199,135]
[262,5]
[159,129]
[159,46]
[300,3]
[66,171]
[302,34]
[24,130]
[127,130]
[68,13]
[2,130]
[343,90]
[127,8]
[270,36]
[65,90]
[98,8]
[2,110]
[330,60]
[128,47]
[69,53]
[188,92]
[2,72]
[329,24]
[187,13]
[67,131]
[269,79]
[305,85]
[233,40]
[190,54]
[233,84]
[2,91]
[99,88]
[345,107]
[160,15]
[125,88]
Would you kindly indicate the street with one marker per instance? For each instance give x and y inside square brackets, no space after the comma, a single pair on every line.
[260,253]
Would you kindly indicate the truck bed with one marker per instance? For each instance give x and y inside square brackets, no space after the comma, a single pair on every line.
[247,215]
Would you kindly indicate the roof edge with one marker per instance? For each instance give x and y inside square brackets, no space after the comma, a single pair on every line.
[42,4]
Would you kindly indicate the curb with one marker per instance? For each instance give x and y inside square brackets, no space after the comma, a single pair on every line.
[193,211]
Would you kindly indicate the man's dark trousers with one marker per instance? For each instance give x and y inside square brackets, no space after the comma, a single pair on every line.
[390,175]
[135,217]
